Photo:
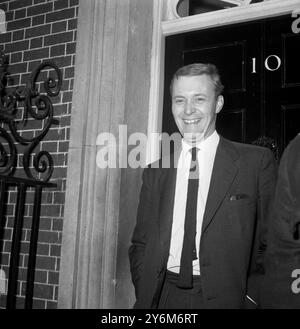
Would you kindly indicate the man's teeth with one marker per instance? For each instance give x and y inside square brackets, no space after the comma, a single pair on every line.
[191,121]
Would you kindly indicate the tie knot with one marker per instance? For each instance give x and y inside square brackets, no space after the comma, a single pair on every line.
[194,152]
[194,163]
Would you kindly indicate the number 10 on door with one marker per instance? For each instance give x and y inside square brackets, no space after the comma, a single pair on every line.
[270,66]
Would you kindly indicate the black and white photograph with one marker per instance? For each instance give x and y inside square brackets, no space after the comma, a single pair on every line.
[149,158]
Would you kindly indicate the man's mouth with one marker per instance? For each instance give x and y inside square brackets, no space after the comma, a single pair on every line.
[191,121]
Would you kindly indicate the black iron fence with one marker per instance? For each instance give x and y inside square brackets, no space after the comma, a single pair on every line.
[30,169]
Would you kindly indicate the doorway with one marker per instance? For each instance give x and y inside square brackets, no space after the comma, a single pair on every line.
[259,69]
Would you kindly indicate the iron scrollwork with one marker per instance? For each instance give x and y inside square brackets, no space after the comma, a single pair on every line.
[35,105]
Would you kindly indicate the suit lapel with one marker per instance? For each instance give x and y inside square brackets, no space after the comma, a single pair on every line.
[168,185]
[223,174]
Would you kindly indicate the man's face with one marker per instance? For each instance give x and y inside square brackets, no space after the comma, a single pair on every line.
[195,106]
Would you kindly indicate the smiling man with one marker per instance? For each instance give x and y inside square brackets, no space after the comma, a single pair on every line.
[201,224]
[196,100]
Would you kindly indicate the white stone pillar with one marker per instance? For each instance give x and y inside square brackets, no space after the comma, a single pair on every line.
[89,247]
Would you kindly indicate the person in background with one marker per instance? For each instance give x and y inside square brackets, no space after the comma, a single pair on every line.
[281,283]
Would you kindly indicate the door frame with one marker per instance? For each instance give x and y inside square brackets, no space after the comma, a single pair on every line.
[166,22]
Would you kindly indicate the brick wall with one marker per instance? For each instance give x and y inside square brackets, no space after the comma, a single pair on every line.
[39,30]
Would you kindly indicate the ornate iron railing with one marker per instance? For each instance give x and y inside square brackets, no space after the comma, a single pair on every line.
[38,167]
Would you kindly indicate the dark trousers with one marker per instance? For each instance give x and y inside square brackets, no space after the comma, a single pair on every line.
[173,297]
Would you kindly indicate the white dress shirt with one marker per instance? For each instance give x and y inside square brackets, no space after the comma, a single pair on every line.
[206,157]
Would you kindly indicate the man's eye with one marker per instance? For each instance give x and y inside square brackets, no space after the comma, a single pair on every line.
[179,101]
[199,99]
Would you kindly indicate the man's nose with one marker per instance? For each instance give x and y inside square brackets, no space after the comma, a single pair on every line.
[189,107]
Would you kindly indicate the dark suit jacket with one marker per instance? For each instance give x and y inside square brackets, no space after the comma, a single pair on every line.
[283,252]
[232,232]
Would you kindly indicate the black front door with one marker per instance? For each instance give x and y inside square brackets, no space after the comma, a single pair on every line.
[260,70]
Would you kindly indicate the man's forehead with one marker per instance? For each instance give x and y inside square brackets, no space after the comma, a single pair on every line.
[202,76]
[203,81]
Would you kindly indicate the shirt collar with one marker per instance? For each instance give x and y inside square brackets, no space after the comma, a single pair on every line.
[208,145]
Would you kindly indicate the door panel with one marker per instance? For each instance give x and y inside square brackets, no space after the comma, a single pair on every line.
[233,69]
[290,122]
[290,46]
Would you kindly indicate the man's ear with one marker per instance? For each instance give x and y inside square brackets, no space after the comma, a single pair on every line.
[220,103]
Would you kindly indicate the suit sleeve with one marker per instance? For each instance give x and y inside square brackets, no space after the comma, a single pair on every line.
[266,186]
[139,237]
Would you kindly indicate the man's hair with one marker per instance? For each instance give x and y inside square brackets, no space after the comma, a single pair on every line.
[199,69]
